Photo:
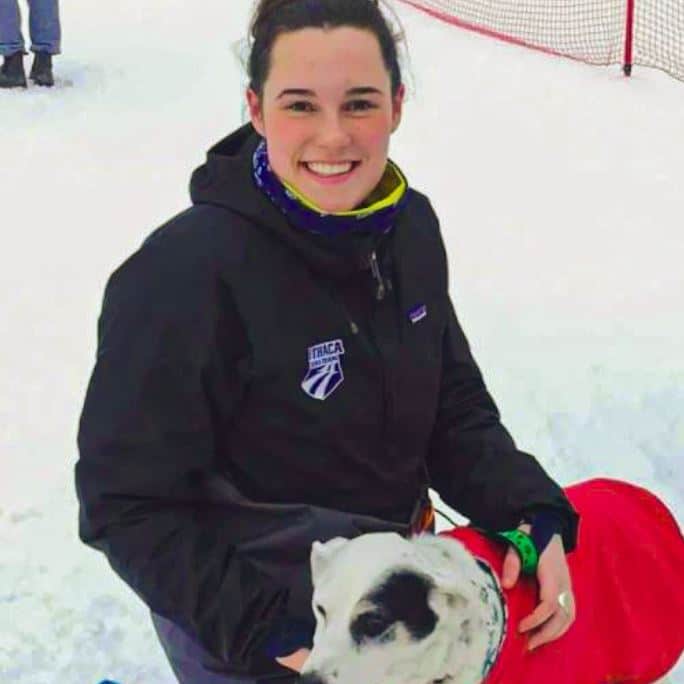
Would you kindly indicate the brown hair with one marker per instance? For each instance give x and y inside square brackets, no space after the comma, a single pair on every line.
[273,17]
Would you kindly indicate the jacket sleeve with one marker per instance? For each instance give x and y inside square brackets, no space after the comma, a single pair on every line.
[473,462]
[171,365]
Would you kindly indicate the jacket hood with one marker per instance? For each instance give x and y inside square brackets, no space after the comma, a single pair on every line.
[226,180]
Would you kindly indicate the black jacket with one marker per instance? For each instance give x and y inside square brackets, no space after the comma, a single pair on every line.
[206,470]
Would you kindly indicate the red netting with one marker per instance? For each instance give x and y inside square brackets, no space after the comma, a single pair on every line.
[589,30]
[659,35]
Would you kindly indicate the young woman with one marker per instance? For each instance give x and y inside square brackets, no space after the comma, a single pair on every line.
[281,363]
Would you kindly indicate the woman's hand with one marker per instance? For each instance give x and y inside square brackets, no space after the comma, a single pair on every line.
[295,661]
[556,610]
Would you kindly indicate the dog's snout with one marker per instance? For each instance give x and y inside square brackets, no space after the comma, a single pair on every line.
[311,678]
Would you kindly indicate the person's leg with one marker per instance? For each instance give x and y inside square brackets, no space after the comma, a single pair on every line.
[193,664]
[46,37]
[44,26]
[12,73]
[11,40]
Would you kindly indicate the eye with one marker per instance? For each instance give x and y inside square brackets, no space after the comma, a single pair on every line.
[370,625]
[300,106]
[361,105]
[320,611]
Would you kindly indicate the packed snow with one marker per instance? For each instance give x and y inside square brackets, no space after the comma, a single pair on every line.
[558,186]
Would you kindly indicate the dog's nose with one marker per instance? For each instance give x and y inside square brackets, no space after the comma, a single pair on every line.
[311,678]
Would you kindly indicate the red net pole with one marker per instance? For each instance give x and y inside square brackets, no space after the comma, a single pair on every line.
[629,34]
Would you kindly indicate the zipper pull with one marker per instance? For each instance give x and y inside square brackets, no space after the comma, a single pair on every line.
[375,270]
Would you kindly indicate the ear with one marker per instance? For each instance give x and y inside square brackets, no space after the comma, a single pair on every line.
[397,106]
[256,113]
[448,564]
[322,554]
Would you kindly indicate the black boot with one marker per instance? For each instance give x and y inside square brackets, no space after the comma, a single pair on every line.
[12,73]
[41,71]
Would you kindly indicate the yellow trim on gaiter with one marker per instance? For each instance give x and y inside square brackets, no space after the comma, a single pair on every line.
[387,193]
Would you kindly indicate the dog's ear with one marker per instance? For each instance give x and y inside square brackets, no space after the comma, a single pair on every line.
[448,564]
[322,553]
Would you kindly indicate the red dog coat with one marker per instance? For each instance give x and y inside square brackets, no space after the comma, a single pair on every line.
[627,582]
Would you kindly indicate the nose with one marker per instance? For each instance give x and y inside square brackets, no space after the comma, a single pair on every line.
[333,133]
[311,678]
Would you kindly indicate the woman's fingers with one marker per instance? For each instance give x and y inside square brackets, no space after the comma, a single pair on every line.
[511,569]
[295,661]
[543,612]
[550,619]
[552,629]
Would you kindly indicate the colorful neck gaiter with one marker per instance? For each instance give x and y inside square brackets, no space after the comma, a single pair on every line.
[375,216]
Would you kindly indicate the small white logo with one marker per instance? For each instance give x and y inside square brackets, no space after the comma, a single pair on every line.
[325,369]
[417,313]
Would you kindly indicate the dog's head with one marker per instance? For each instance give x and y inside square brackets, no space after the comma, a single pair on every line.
[393,611]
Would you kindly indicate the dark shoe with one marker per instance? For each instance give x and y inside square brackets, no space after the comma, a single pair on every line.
[41,71]
[12,73]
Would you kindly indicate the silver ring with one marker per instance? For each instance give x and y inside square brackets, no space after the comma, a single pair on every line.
[564,601]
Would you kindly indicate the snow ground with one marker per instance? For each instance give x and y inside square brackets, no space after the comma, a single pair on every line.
[559,190]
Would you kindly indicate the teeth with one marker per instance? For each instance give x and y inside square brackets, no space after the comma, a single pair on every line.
[329,169]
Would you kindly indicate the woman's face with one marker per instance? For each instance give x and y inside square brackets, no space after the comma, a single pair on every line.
[327,114]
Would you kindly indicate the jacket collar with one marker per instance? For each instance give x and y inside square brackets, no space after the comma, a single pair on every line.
[375,215]
[226,179]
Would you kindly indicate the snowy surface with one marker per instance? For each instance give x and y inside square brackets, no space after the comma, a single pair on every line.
[559,190]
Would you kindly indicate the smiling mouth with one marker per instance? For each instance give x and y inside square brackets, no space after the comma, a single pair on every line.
[330,170]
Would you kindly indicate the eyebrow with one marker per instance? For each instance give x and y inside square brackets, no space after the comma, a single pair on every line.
[363,90]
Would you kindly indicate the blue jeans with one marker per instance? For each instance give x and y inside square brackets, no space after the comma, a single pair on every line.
[44,27]
[193,664]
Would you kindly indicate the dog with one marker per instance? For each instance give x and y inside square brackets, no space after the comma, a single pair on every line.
[431,609]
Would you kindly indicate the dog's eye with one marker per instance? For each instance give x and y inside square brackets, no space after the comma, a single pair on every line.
[370,625]
[321,611]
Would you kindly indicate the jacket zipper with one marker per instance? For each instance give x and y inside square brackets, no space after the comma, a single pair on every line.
[377,276]
[380,292]
[345,313]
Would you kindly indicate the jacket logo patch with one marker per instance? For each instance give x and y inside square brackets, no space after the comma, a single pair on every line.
[325,369]
[417,313]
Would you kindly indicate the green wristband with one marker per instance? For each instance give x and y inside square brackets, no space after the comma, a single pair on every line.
[525,548]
